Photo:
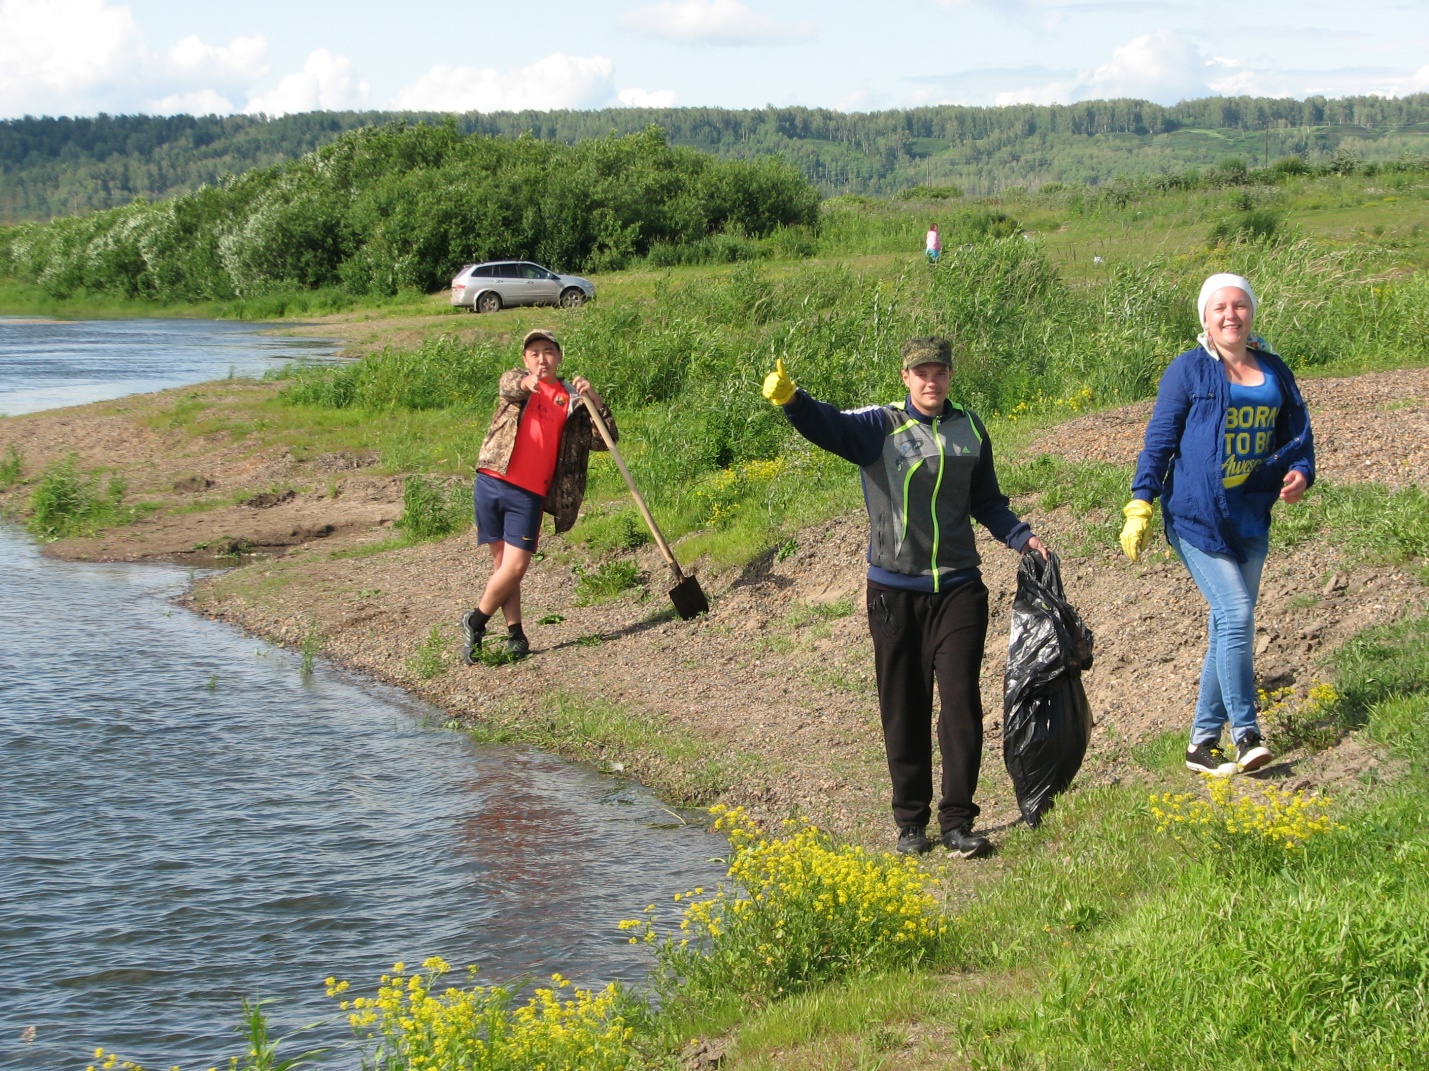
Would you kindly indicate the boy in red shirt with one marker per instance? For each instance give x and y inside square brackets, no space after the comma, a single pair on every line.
[533,459]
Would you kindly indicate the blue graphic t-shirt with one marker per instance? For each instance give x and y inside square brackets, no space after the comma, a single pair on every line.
[1249,438]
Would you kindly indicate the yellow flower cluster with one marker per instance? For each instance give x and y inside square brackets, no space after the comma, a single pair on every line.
[727,488]
[417,1025]
[801,909]
[1285,820]
[1041,404]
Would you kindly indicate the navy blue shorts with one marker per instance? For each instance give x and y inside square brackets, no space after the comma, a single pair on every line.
[506,513]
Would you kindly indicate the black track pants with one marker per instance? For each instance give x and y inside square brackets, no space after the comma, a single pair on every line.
[919,637]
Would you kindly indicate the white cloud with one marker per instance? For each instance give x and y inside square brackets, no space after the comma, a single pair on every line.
[557,81]
[59,56]
[1162,67]
[326,83]
[199,102]
[244,60]
[640,98]
[713,22]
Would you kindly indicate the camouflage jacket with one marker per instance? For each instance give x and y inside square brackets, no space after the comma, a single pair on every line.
[580,436]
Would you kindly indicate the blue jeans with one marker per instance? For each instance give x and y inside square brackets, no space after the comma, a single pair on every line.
[1228,673]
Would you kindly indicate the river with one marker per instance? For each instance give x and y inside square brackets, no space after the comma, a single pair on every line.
[187,819]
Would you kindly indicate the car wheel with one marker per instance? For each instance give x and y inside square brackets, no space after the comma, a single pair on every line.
[572,297]
[488,302]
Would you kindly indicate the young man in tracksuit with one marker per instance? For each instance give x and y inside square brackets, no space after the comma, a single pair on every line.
[927,473]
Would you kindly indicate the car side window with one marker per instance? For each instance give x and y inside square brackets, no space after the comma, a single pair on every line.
[508,271]
[483,271]
[531,271]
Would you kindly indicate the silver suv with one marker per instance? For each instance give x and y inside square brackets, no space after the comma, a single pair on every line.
[498,284]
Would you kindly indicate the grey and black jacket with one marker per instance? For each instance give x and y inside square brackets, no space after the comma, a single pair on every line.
[925,479]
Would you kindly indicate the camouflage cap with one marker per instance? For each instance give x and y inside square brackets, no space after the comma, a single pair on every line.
[540,332]
[918,351]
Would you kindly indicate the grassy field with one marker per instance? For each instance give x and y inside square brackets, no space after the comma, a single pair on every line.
[1178,931]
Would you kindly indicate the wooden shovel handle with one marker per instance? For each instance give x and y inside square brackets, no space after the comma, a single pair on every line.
[599,422]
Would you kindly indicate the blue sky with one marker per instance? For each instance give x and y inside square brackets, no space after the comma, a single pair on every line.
[79,57]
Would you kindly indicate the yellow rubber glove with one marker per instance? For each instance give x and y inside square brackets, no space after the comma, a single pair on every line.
[1137,528]
[778,387]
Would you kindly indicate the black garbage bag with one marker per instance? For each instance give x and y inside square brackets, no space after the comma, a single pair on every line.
[1046,719]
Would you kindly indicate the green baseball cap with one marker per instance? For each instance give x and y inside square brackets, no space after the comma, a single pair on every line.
[929,350]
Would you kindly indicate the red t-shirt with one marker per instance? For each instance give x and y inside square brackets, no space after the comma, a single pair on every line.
[538,439]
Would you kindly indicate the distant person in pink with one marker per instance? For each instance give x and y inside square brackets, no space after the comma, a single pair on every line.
[934,243]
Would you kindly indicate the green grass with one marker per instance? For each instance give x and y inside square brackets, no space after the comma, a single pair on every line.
[607,581]
[591,729]
[432,656]
[66,502]
[432,509]
[12,466]
[1106,944]
[1376,523]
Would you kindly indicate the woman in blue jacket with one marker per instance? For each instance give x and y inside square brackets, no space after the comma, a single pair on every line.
[1229,435]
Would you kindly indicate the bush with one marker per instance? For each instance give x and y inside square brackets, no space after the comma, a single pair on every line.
[432,510]
[65,503]
[416,1020]
[1258,224]
[800,910]
[386,209]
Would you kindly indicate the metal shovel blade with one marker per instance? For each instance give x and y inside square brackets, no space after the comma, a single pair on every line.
[689,599]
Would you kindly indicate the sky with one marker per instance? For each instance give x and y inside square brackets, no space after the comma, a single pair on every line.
[81,57]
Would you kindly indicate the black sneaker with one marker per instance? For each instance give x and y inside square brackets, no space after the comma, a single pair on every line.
[473,636]
[912,840]
[517,645]
[963,841]
[1210,759]
[1251,754]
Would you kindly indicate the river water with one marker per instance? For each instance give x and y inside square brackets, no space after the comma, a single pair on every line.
[186,819]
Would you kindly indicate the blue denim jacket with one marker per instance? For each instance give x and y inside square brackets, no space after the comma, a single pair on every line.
[1181,461]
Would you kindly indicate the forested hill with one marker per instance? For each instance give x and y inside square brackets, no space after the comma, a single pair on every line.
[52,167]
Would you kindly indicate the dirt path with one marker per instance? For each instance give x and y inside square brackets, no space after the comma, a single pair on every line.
[779,688]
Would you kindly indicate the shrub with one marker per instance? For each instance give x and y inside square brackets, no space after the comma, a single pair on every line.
[415,1021]
[65,503]
[12,466]
[1233,828]
[800,909]
[1258,224]
[384,209]
[431,509]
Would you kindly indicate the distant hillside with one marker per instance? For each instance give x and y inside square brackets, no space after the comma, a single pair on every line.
[54,167]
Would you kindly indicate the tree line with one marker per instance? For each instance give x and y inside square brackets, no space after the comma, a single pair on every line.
[382,209]
[63,166]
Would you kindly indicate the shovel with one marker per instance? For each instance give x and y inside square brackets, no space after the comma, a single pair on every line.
[689,600]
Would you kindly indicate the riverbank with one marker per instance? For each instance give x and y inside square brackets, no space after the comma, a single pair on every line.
[769,701]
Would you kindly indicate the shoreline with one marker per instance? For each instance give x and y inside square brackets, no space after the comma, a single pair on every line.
[768,702]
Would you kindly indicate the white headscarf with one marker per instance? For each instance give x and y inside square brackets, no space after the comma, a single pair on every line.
[1216,282]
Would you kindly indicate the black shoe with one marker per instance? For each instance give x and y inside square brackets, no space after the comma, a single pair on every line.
[1210,759]
[912,840]
[517,645]
[1251,754]
[473,636]
[963,841]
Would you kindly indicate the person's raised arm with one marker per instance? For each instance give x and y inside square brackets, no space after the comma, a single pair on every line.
[513,386]
[855,435]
